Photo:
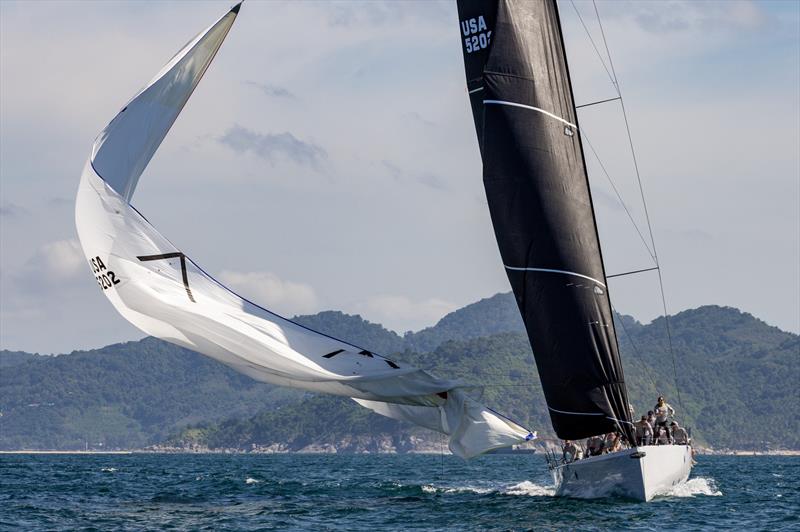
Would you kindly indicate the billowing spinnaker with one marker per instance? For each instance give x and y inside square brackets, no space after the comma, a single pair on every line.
[164,293]
[541,207]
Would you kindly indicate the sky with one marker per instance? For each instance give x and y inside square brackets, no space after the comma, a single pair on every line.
[328,159]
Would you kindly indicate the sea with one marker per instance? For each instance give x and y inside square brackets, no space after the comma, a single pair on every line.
[372,493]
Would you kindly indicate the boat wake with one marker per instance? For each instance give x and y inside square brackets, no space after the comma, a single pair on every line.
[531,489]
[696,486]
[524,488]
[691,488]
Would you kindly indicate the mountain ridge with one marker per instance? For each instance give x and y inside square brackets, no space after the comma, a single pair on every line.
[141,393]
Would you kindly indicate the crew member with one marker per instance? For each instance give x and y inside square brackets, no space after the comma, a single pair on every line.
[644,432]
[679,434]
[662,436]
[594,446]
[663,412]
[570,451]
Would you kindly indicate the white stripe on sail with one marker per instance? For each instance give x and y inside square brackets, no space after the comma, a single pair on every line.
[512,104]
[575,413]
[547,270]
[476,90]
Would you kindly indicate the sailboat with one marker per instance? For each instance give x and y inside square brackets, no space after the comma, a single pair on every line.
[537,188]
[541,209]
[161,290]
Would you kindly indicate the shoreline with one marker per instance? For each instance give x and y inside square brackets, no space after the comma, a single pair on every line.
[703,452]
[39,451]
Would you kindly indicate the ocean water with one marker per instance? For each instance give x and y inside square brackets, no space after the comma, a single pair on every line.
[373,492]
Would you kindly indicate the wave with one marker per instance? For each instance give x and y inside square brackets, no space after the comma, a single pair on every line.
[696,486]
[108,469]
[428,488]
[524,488]
[251,480]
[531,489]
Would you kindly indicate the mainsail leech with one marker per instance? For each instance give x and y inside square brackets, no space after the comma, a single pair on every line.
[155,286]
[541,207]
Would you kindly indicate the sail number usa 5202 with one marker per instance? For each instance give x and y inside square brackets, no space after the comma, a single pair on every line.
[105,277]
[476,36]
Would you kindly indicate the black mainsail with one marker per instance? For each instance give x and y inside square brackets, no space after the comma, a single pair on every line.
[538,192]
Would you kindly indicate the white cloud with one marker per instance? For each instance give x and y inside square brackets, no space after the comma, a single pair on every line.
[269,290]
[402,314]
[55,261]
[273,146]
[12,210]
[55,289]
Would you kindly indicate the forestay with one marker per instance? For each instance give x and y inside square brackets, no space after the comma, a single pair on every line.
[541,207]
[163,292]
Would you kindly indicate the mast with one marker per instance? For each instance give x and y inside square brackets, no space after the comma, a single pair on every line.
[537,187]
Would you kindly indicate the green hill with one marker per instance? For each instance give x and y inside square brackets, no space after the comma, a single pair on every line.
[121,396]
[493,315]
[733,369]
[13,358]
[354,329]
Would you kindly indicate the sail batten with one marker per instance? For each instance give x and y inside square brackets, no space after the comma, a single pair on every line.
[540,203]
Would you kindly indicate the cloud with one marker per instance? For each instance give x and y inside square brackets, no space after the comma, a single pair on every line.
[403,314]
[274,146]
[59,202]
[11,210]
[51,269]
[684,15]
[393,170]
[416,117]
[56,287]
[55,261]
[268,290]
[271,90]
[433,181]
[426,178]
[383,13]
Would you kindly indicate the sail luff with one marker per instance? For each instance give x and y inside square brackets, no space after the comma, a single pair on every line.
[123,149]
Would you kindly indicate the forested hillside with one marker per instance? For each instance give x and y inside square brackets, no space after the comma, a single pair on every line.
[736,376]
[121,396]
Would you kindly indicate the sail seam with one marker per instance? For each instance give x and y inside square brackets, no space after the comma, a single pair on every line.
[532,108]
[548,270]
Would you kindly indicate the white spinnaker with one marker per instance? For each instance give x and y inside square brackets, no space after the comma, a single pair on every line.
[165,294]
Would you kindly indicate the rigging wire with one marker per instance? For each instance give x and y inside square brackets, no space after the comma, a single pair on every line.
[615,81]
[636,351]
[599,56]
[619,196]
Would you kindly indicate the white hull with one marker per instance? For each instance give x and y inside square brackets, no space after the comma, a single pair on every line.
[639,473]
